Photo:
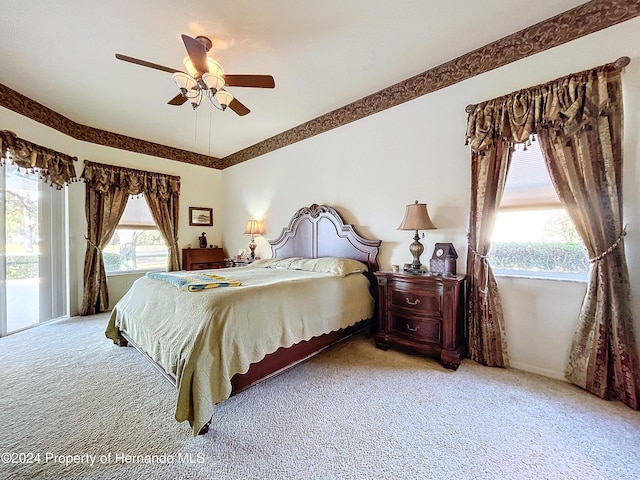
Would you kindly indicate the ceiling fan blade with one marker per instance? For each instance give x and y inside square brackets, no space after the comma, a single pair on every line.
[238,107]
[144,63]
[177,100]
[197,53]
[257,81]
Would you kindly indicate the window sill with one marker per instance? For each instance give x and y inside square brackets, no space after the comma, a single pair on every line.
[532,275]
[131,272]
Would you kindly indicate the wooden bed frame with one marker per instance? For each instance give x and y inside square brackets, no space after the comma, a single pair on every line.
[313,232]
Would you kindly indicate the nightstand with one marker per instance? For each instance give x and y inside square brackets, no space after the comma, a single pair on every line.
[422,314]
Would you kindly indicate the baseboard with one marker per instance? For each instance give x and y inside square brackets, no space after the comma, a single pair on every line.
[539,371]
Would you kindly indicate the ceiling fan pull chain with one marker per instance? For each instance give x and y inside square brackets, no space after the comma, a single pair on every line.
[195,126]
[210,112]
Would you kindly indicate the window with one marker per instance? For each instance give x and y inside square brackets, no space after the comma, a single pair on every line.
[533,235]
[136,244]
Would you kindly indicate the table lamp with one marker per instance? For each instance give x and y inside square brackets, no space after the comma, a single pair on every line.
[416,218]
[254,227]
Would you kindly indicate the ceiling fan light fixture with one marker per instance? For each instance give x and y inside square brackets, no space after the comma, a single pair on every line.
[223,98]
[205,77]
[214,67]
[195,100]
[213,82]
[184,82]
[188,64]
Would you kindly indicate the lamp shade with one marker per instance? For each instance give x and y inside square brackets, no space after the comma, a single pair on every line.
[214,82]
[416,217]
[254,227]
[214,67]
[224,98]
[186,84]
[188,64]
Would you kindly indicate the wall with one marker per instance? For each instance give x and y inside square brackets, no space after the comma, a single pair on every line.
[199,187]
[369,170]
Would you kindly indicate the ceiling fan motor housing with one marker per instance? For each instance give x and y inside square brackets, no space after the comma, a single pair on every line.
[205,41]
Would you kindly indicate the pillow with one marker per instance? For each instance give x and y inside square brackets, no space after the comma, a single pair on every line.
[273,262]
[334,265]
[339,266]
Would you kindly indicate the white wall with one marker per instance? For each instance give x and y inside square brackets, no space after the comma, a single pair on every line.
[369,170]
[199,187]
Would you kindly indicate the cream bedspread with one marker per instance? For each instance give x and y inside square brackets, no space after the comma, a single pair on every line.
[205,338]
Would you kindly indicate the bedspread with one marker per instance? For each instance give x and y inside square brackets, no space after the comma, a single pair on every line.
[205,338]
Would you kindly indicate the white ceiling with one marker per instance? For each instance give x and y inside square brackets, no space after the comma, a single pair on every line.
[322,54]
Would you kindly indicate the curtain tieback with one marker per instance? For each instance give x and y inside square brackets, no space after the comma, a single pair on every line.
[485,289]
[93,244]
[611,248]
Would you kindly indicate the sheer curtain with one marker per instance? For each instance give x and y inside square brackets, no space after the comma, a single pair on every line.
[107,190]
[578,119]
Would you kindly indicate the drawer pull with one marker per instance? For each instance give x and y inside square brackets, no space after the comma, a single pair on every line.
[412,329]
[415,302]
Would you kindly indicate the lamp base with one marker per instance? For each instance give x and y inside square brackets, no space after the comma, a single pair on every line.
[416,271]
[416,249]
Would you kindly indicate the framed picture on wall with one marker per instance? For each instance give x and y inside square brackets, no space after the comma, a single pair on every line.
[201,216]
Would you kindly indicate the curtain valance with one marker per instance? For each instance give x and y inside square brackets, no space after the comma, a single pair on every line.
[54,167]
[103,177]
[566,104]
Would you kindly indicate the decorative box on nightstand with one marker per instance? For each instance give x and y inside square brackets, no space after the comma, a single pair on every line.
[423,314]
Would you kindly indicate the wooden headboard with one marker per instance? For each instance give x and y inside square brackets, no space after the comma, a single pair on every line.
[319,231]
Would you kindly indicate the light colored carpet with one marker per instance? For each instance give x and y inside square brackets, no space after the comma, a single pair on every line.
[351,412]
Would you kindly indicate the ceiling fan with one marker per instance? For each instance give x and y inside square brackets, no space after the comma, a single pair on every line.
[206,77]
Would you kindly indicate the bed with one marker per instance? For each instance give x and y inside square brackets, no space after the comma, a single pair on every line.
[216,338]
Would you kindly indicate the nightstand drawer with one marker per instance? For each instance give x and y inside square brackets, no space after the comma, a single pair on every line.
[424,301]
[422,330]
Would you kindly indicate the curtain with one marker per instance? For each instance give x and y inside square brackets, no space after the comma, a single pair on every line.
[164,210]
[107,190]
[586,169]
[578,119]
[103,210]
[487,343]
[55,168]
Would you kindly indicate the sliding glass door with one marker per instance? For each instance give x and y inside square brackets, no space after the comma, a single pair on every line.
[33,270]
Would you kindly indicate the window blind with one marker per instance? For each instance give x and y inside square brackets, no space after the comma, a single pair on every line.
[136,214]
[528,183]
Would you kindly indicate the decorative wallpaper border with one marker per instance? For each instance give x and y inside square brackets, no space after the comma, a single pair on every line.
[35,111]
[575,23]
[565,27]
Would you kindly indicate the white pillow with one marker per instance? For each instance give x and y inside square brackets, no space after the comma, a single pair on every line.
[334,265]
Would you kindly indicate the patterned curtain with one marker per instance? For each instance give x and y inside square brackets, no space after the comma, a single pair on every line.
[107,190]
[164,209]
[103,209]
[586,169]
[55,168]
[487,342]
[578,119]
